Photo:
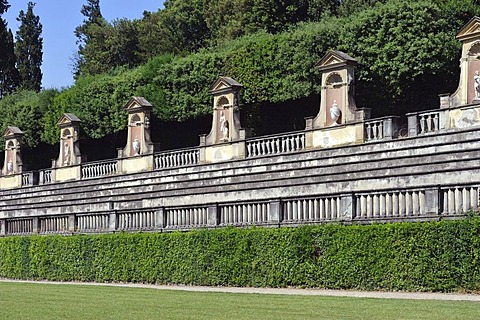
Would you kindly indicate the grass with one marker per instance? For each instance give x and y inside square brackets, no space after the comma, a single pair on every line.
[48,301]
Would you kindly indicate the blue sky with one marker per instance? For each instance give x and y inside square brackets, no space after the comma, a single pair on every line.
[59,19]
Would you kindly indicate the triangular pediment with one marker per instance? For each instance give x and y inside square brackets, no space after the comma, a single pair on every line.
[223,84]
[470,30]
[136,103]
[334,59]
[11,132]
[68,118]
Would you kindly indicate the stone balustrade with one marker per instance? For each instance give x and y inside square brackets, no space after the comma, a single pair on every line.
[185,218]
[275,144]
[426,122]
[46,176]
[99,169]
[381,129]
[176,158]
[244,213]
[390,205]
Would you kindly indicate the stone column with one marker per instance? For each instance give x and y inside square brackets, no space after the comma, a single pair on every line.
[347,206]
[72,223]
[412,124]
[212,215]
[432,201]
[160,218]
[112,221]
[276,211]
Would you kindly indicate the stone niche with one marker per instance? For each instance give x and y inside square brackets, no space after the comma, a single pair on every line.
[337,104]
[13,160]
[69,154]
[138,133]
[226,112]
[468,91]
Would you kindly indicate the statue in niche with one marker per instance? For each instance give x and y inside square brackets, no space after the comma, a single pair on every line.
[223,126]
[136,147]
[10,166]
[66,154]
[335,113]
[476,84]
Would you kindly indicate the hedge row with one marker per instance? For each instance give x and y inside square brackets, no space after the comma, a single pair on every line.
[436,256]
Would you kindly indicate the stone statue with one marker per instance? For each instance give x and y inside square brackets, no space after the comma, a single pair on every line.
[10,166]
[335,113]
[136,147]
[476,84]
[66,154]
[223,126]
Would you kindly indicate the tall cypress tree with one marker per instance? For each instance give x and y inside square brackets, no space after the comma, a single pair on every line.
[29,49]
[8,72]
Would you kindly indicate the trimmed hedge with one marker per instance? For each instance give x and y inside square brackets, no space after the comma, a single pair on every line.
[429,256]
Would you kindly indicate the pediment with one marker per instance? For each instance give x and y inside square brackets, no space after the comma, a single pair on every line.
[333,59]
[470,30]
[68,118]
[223,84]
[11,132]
[136,103]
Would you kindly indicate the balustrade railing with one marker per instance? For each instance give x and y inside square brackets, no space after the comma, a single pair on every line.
[374,130]
[27,179]
[177,158]
[46,176]
[242,214]
[19,227]
[186,217]
[53,224]
[275,144]
[93,223]
[390,204]
[457,200]
[99,169]
[429,121]
[136,220]
[313,209]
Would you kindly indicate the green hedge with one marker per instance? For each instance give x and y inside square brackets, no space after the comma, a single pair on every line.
[436,256]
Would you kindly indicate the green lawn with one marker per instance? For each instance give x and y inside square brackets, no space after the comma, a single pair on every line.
[47,301]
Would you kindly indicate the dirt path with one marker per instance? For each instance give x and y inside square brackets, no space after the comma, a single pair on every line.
[291,291]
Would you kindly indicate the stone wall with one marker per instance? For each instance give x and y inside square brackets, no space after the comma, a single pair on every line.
[429,175]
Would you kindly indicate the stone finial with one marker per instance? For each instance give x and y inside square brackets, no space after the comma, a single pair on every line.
[226,114]
[337,105]
[69,144]
[13,160]
[468,91]
[138,135]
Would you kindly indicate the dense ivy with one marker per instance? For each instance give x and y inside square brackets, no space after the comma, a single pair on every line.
[428,256]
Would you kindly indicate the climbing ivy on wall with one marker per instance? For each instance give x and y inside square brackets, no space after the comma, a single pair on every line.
[429,256]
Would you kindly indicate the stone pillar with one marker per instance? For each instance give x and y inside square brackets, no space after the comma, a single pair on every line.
[276,211]
[412,124]
[212,215]
[72,223]
[3,229]
[112,221]
[13,160]
[36,225]
[347,206]
[160,218]
[432,201]
[390,127]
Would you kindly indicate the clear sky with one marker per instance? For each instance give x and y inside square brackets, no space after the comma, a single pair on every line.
[59,19]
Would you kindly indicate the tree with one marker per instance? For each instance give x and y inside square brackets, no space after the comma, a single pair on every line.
[29,50]
[86,33]
[8,71]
